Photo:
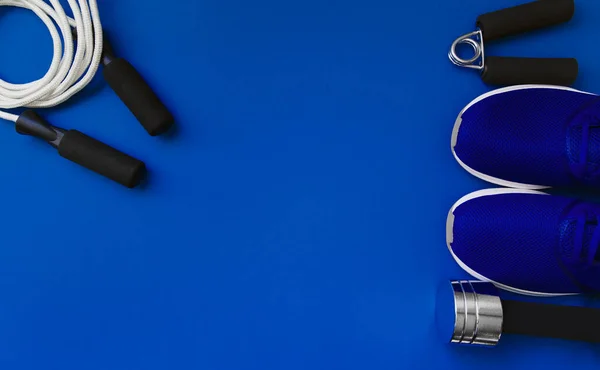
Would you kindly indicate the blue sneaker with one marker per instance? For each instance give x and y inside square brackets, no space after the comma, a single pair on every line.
[531,137]
[527,242]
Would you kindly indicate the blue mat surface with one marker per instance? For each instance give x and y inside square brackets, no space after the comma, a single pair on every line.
[295,219]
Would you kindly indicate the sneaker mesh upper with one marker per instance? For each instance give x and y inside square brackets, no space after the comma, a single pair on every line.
[524,241]
[522,136]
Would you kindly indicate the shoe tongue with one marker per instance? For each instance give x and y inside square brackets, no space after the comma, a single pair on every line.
[569,250]
[576,257]
[575,142]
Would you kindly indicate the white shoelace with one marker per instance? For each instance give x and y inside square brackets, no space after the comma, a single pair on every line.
[73,66]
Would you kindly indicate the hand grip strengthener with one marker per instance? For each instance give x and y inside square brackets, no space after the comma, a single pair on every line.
[514,21]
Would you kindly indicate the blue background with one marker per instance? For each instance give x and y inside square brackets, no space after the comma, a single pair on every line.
[296,218]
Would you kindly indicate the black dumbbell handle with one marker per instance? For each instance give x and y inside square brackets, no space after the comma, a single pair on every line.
[551,321]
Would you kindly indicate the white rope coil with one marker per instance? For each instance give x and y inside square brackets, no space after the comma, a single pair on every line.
[73,65]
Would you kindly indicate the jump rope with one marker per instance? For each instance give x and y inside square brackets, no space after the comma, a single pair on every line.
[80,50]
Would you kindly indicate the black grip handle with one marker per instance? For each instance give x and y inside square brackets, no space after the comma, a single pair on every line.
[524,18]
[137,95]
[101,158]
[518,71]
[551,321]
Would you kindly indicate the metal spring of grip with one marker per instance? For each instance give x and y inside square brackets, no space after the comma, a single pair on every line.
[475,41]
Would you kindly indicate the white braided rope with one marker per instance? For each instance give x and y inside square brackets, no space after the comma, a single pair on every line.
[72,69]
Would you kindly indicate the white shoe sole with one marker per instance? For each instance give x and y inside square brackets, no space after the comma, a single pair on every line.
[455,130]
[464,266]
